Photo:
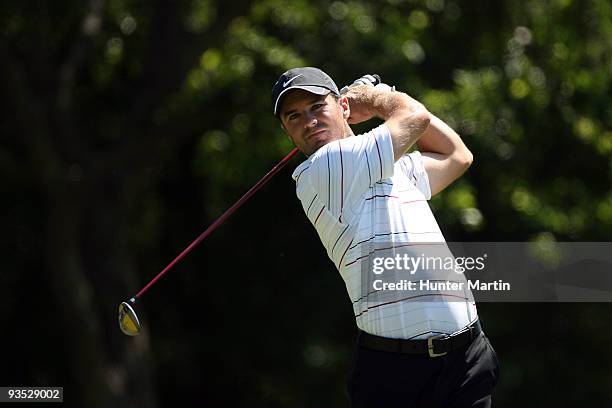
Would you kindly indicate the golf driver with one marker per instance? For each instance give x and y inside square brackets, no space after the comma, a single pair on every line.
[128,320]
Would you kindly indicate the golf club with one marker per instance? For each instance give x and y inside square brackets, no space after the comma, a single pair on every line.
[128,320]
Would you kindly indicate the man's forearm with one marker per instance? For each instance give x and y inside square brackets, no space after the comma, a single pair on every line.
[367,102]
[386,104]
[445,156]
[442,139]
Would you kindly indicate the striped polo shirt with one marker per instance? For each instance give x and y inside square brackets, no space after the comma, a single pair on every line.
[357,196]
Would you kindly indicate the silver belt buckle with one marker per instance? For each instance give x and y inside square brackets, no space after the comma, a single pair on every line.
[430,347]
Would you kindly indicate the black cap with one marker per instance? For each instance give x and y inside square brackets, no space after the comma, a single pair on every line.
[307,78]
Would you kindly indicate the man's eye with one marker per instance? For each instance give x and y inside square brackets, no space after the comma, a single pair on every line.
[293,116]
[317,106]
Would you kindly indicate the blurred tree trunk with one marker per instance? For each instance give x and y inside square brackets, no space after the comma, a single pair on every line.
[106,373]
[87,192]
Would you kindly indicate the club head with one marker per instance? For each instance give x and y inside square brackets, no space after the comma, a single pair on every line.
[128,321]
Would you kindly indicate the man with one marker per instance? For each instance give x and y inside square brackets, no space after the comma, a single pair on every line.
[363,193]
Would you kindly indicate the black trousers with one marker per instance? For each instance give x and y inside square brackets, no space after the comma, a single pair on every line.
[462,378]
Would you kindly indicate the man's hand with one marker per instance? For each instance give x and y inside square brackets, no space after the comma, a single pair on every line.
[360,102]
[359,110]
[361,113]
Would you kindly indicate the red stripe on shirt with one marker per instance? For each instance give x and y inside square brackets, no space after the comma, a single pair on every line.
[412,201]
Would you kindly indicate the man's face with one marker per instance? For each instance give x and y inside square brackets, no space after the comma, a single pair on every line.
[312,121]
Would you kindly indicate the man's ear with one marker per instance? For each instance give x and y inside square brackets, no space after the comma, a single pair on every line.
[346,109]
[286,133]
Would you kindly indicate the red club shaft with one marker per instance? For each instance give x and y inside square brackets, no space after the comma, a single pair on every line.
[218,222]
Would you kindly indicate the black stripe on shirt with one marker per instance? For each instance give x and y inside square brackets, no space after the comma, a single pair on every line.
[313,200]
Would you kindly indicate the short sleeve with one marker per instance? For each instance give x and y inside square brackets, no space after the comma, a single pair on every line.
[343,170]
[412,166]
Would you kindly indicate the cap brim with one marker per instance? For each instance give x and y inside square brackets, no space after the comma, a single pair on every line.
[317,90]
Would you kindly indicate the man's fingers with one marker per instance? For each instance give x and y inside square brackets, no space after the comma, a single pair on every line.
[367,79]
[385,87]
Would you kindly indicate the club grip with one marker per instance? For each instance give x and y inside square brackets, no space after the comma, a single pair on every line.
[368,79]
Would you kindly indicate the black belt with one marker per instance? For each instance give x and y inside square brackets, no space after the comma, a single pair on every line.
[433,346]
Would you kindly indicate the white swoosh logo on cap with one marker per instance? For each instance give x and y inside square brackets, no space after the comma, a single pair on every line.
[287,83]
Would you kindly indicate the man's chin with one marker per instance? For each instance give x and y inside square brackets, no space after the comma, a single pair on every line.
[318,141]
[319,144]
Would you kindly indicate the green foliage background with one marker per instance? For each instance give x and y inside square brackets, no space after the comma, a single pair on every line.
[128,126]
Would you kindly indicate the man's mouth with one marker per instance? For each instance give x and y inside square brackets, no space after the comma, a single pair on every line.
[315,133]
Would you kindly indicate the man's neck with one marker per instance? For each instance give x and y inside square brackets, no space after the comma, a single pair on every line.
[347,130]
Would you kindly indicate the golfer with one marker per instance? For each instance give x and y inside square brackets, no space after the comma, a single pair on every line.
[358,191]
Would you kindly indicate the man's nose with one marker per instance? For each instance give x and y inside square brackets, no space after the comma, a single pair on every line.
[311,120]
